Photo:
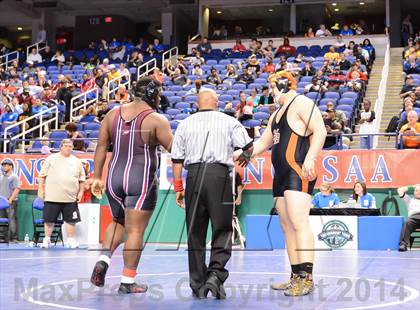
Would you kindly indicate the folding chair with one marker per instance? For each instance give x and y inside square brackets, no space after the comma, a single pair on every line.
[4,221]
[38,224]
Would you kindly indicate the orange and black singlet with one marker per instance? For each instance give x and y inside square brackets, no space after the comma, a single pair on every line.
[287,156]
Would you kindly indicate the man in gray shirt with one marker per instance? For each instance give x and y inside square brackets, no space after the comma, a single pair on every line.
[9,188]
[204,145]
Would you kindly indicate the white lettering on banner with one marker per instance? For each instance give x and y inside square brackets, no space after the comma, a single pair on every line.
[355,171]
[328,164]
[256,173]
[381,170]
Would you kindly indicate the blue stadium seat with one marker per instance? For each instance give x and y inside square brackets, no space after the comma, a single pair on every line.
[168,93]
[239,86]
[191,98]
[58,134]
[313,95]
[172,112]
[225,97]
[261,116]
[346,101]
[224,62]
[306,79]
[211,62]
[92,126]
[221,105]
[174,99]
[345,108]
[264,109]
[183,105]
[331,94]
[94,134]
[326,100]
[233,92]
[350,94]
[181,116]
[251,123]
[174,124]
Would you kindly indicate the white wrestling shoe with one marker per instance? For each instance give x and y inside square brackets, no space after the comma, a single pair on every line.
[72,243]
[45,243]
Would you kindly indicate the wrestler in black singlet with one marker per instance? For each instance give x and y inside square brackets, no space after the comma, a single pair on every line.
[287,156]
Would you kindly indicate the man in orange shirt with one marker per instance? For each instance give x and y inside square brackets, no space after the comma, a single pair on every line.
[411,131]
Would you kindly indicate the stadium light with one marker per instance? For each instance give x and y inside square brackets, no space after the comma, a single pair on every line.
[336,10]
[19,28]
[270,10]
[361,3]
[219,12]
[333,4]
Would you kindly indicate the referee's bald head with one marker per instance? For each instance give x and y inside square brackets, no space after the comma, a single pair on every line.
[207,99]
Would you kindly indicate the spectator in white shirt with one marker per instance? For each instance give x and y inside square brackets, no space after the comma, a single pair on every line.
[413,220]
[59,59]
[34,56]
[322,31]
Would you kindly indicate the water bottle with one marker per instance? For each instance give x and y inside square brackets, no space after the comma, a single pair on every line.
[26,240]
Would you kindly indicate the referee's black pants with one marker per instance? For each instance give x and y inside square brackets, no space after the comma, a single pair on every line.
[208,195]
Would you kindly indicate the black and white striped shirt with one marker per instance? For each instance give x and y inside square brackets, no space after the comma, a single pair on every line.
[222,132]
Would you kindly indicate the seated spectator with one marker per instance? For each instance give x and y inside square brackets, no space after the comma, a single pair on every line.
[266,98]
[308,70]
[407,107]
[317,85]
[245,77]
[340,117]
[286,49]
[355,79]
[325,198]
[362,197]
[333,128]
[204,47]
[229,110]
[197,59]
[340,43]
[157,46]
[411,131]
[142,45]
[309,33]
[157,74]
[323,32]
[269,49]
[90,115]
[135,60]
[38,107]
[336,79]
[342,62]
[253,98]
[213,78]
[413,211]
[367,125]
[327,67]
[362,55]
[79,144]
[180,65]
[124,72]
[332,55]
[195,90]
[101,80]
[346,31]
[122,96]
[366,45]
[9,117]
[349,51]
[412,65]
[87,84]
[244,110]
[114,45]
[408,87]
[231,72]
[150,50]
[168,69]
[253,46]
[180,79]
[253,65]
[58,59]
[46,54]
[197,71]
[238,47]
[71,62]
[34,56]
[26,113]
[269,67]
[114,75]
[25,97]
[105,65]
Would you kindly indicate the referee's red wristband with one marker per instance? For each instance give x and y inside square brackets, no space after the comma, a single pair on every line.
[178,186]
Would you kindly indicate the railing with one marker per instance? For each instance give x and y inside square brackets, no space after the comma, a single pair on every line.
[116,82]
[339,140]
[41,126]
[380,101]
[36,45]
[170,54]
[148,67]
[86,101]
[8,59]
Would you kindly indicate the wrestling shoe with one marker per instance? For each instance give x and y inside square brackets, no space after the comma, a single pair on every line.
[99,273]
[303,286]
[129,288]
[286,285]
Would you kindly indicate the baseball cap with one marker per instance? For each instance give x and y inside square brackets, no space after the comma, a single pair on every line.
[7,162]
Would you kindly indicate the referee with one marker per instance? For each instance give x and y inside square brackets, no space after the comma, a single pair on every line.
[204,145]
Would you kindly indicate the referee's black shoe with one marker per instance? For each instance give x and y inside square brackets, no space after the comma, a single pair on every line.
[403,247]
[200,293]
[215,286]
[99,273]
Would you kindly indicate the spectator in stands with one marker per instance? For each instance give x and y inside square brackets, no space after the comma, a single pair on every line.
[336,79]
[408,87]
[362,197]
[158,75]
[367,125]
[323,32]
[266,98]
[308,69]
[25,96]
[411,131]
[367,45]
[34,56]
[342,62]
[9,189]
[135,60]
[332,55]
[333,129]
[349,51]
[79,144]
[105,65]
[327,68]
[16,106]
[417,93]
[197,59]
[124,72]
[346,31]
[142,45]
[58,59]
[88,83]
[245,77]
[204,47]
[38,107]
[325,197]
[157,46]
[90,115]
[9,117]
[285,49]
[340,116]
[71,62]
[238,47]
[213,78]
[413,211]
[253,99]
[26,113]
[197,71]
[269,49]
[101,80]
[407,29]
[309,33]
[195,90]
[412,65]
[253,65]
[244,110]
[180,65]
[355,79]
[269,67]
[231,72]
[317,85]
[180,79]
[46,54]
[340,43]
[168,69]
[253,46]
[122,96]
[229,110]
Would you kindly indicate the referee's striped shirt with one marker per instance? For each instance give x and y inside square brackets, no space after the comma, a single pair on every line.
[224,134]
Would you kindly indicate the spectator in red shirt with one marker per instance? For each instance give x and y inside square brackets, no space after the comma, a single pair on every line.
[336,79]
[238,47]
[87,84]
[87,194]
[269,67]
[286,48]
[25,97]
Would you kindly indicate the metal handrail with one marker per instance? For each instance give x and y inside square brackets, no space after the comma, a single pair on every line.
[8,60]
[25,131]
[119,82]
[150,65]
[36,45]
[173,52]
[85,103]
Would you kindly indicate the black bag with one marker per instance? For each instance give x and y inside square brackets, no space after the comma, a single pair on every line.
[393,124]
